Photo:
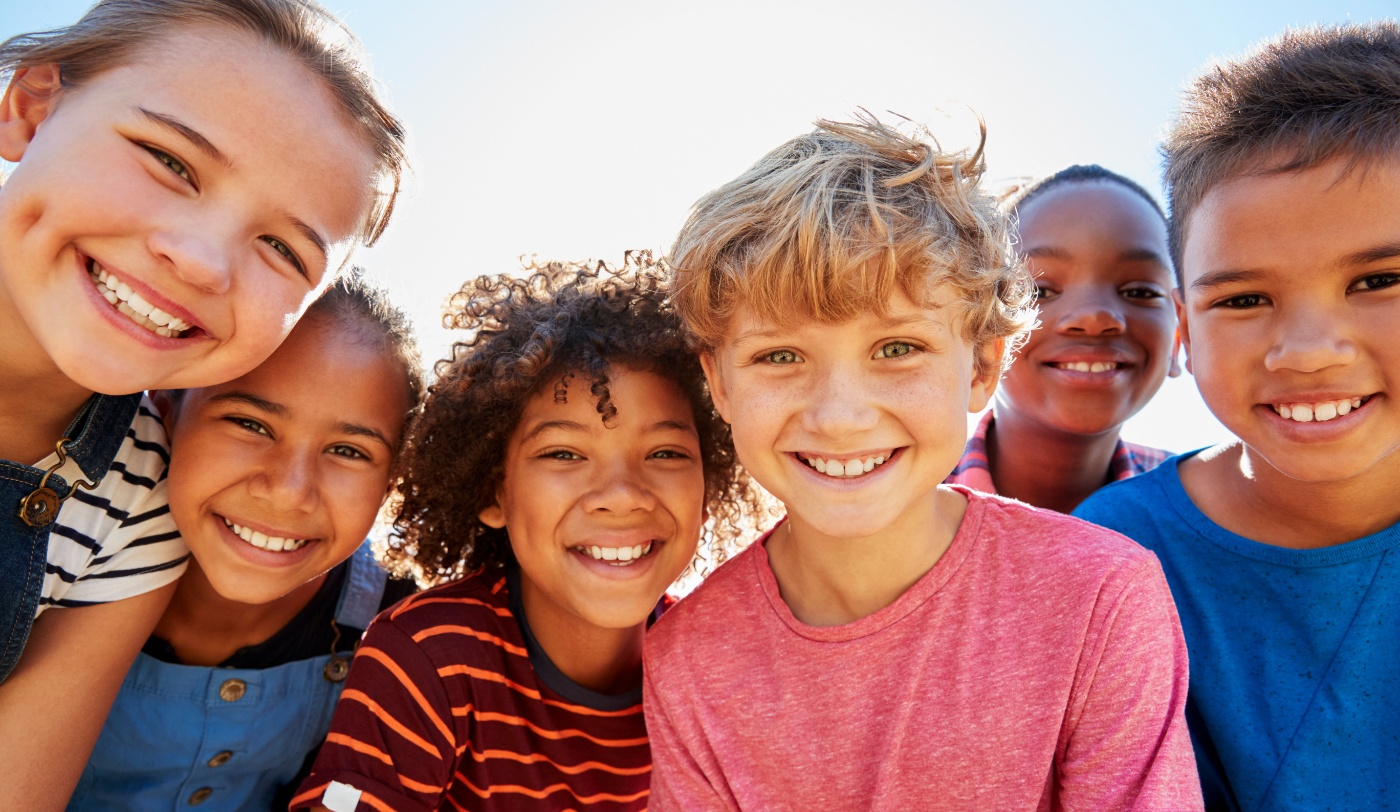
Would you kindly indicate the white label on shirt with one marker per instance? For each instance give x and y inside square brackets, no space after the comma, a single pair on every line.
[340,797]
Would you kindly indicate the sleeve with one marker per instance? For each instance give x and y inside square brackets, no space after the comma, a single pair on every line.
[678,782]
[392,736]
[1125,745]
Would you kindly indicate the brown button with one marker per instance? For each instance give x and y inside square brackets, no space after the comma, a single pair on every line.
[200,795]
[220,759]
[231,691]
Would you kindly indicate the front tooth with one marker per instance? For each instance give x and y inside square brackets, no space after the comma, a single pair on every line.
[853,467]
[624,553]
[1284,411]
[868,465]
[1303,413]
[246,534]
[123,292]
[139,304]
[1343,406]
[275,544]
[1098,366]
[609,553]
[258,540]
[819,464]
[596,552]
[1325,411]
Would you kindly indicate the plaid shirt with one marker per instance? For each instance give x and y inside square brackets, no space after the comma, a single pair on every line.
[1129,459]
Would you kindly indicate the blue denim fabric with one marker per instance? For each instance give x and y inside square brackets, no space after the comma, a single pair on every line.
[96,435]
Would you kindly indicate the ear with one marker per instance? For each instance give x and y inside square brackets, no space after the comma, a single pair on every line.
[493,515]
[168,406]
[714,376]
[30,98]
[1183,331]
[1174,368]
[984,384]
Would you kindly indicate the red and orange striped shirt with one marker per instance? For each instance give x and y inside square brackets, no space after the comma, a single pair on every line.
[451,704]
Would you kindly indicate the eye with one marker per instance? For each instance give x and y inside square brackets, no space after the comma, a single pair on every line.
[1044,293]
[779,357]
[1142,293]
[895,349]
[1375,281]
[286,251]
[670,454]
[560,454]
[1243,301]
[250,425]
[172,163]
[349,452]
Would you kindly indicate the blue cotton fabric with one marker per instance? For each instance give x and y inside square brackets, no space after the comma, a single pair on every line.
[1295,654]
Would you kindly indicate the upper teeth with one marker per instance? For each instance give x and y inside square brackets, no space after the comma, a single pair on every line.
[1086,366]
[276,544]
[845,468]
[1308,412]
[617,556]
[130,303]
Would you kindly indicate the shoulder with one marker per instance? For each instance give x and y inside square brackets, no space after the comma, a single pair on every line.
[479,600]
[714,607]
[1034,541]
[1140,503]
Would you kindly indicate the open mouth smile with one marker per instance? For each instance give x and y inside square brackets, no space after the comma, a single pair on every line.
[1320,411]
[1088,366]
[616,556]
[274,544]
[130,304]
[846,467]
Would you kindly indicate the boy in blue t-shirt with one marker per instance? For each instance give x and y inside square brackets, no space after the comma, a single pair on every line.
[1283,549]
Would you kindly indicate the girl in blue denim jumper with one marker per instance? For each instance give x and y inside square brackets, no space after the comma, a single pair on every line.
[187,176]
[275,480]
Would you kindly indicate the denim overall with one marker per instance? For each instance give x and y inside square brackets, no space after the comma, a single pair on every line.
[221,738]
[94,437]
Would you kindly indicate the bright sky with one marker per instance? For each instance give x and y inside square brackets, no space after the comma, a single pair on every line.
[573,130]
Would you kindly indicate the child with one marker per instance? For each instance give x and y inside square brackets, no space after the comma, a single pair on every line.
[275,479]
[1283,174]
[1096,243]
[565,462]
[188,176]
[894,644]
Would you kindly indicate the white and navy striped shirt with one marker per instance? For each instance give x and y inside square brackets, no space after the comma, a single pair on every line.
[118,540]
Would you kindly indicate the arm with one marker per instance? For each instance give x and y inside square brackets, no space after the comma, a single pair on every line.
[1126,744]
[54,703]
[678,781]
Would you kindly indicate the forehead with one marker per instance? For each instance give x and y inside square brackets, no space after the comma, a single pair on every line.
[1299,222]
[940,313]
[1098,209]
[641,396]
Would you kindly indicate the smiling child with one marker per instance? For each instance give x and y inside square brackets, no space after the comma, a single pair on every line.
[1096,244]
[188,176]
[1283,172]
[566,461]
[894,644]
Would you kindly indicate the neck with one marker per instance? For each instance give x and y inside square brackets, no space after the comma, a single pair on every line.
[831,581]
[37,401]
[608,661]
[1244,494]
[205,628]
[1048,469]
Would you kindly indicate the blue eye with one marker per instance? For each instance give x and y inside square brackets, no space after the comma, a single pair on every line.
[895,349]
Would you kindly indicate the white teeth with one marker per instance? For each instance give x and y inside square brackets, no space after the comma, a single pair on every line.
[133,306]
[262,541]
[843,469]
[1089,366]
[617,556]
[1317,412]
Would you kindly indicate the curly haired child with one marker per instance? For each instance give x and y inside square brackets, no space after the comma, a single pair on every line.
[566,461]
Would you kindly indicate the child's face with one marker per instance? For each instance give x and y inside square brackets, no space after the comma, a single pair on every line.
[602,518]
[851,425]
[211,178]
[294,455]
[1290,315]
[1106,336]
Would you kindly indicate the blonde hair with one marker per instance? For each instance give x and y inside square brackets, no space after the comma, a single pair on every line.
[831,224]
[112,31]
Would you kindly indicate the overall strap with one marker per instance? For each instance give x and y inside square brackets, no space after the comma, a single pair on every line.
[362,591]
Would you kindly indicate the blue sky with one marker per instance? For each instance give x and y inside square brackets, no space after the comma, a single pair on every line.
[574,130]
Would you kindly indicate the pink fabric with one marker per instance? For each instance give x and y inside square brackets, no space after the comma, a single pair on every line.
[1038,665]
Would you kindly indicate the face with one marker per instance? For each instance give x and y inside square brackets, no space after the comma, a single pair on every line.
[851,425]
[1290,314]
[276,477]
[169,220]
[602,519]
[1107,333]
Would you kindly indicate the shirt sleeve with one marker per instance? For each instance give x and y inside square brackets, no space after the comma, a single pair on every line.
[1125,745]
[392,736]
[678,782]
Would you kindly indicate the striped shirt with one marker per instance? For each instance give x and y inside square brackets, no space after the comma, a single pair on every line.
[1129,460]
[117,540]
[451,704]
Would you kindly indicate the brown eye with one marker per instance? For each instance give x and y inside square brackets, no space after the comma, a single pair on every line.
[895,349]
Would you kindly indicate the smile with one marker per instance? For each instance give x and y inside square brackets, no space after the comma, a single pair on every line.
[617,556]
[845,468]
[130,304]
[274,544]
[1318,412]
[1089,366]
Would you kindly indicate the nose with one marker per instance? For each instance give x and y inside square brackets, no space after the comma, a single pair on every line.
[619,487]
[1309,338]
[287,481]
[840,403]
[1090,312]
[199,254]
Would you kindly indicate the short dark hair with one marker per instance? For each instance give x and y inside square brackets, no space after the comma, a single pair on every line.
[355,301]
[1301,100]
[562,319]
[1017,196]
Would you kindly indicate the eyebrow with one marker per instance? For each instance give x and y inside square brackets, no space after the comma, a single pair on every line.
[311,234]
[188,133]
[573,425]
[1130,255]
[1379,253]
[249,399]
[1216,279]
[357,430]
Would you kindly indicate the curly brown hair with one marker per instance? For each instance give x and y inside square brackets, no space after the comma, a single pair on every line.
[560,321]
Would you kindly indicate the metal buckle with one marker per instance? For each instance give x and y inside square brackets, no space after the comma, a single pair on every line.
[40,507]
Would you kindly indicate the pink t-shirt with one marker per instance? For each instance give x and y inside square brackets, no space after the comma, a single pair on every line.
[1038,665]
